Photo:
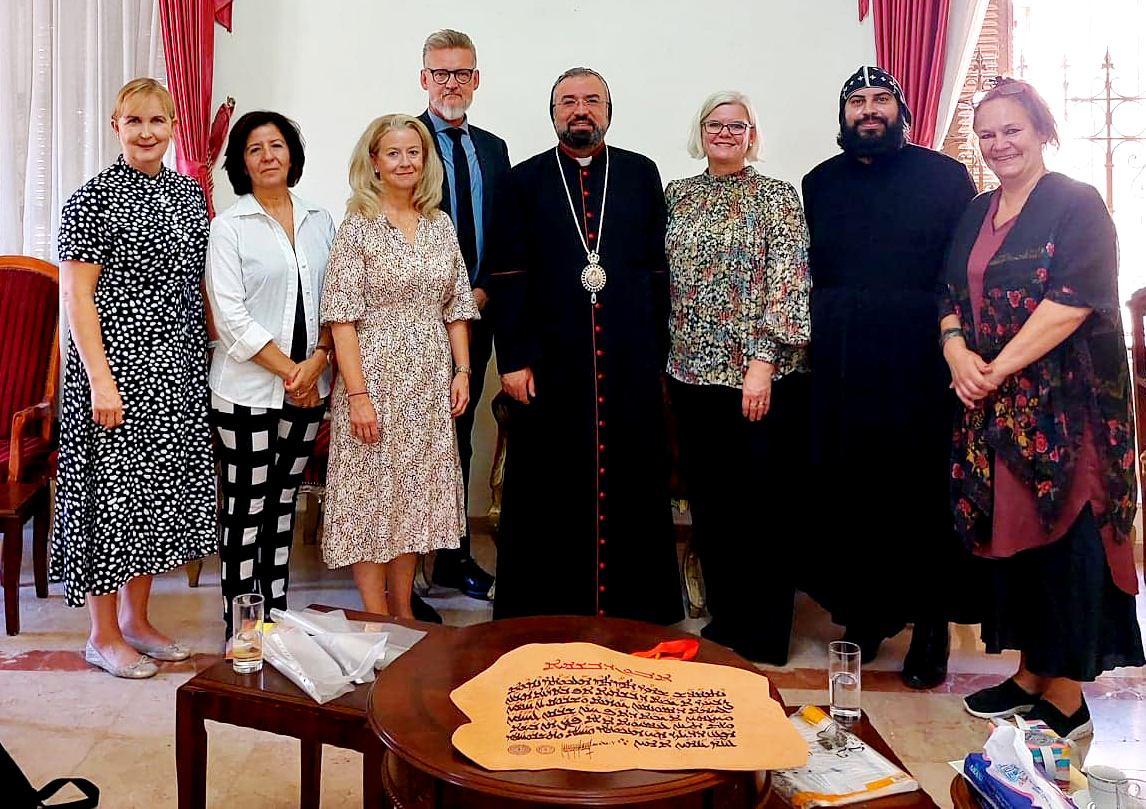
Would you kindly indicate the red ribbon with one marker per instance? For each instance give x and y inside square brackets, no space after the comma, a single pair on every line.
[863,8]
[671,650]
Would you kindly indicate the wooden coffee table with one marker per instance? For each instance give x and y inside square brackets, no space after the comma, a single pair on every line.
[411,710]
[963,795]
[269,701]
[20,502]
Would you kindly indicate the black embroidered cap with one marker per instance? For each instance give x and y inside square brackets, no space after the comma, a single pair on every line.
[868,76]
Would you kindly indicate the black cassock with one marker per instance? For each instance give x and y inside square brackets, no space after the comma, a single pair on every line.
[586,526]
[882,412]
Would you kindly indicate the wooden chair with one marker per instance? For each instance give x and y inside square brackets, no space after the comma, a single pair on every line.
[29,368]
[29,365]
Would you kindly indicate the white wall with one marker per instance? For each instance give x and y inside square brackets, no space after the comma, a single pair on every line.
[334,65]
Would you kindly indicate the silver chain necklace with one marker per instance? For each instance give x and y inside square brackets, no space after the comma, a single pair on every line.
[593,276]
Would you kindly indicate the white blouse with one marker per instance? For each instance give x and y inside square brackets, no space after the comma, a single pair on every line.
[253,277]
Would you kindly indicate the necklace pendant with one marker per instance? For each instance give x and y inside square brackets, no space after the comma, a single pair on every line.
[593,276]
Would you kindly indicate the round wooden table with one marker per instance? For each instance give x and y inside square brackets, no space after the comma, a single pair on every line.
[411,711]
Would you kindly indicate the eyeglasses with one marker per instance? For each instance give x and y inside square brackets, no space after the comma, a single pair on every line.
[569,102]
[461,76]
[733,127]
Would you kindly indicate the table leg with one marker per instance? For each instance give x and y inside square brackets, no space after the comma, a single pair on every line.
[373,793]
[10,572]
[190,752]
[311,783]
[40,548]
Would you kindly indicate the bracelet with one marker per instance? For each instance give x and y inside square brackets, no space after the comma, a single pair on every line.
[949,334]
[359,393]
[463,369]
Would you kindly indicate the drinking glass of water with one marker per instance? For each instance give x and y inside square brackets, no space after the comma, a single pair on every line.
[247,643]
[844,681]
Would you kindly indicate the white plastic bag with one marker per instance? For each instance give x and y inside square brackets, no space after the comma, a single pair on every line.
[302,661]
[1013,766]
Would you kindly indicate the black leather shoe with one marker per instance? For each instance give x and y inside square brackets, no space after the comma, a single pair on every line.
[465,575]
[925,664]
[868,642]
[423,611]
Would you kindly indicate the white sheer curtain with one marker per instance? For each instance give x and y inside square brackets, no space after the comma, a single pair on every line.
[964,21]
[61,64]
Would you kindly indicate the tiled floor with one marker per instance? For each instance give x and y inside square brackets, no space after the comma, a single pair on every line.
[59,716]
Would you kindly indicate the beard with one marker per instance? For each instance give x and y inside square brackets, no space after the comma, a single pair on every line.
[584,139]
[858,144]
[452,110]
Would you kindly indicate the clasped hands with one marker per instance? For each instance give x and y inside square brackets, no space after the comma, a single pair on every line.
[301,381]
[972,378]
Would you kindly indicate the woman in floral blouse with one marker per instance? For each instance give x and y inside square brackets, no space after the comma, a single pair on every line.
[737,248]
[1042,474]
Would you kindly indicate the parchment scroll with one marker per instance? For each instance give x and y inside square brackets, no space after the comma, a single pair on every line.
[578,706]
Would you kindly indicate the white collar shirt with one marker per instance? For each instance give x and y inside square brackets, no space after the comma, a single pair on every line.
[253,277]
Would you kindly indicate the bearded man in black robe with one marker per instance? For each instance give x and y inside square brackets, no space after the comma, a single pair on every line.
[880,217]
[580,306]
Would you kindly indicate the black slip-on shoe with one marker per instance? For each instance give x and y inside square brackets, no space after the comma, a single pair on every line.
[1073,727]
[1005,699]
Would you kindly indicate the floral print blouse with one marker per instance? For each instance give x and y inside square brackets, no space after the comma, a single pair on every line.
[739,284]
[1062,248]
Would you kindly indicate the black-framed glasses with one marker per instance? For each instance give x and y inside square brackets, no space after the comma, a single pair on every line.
[733,127]
[462,75]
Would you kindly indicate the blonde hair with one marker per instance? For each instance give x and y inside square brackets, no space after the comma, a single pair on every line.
[448,38]
[696,146]
[365,186]
[142,87]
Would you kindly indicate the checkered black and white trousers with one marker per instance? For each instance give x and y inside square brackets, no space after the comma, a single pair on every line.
[262,452]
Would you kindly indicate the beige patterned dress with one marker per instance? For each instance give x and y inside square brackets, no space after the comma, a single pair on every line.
[403,494]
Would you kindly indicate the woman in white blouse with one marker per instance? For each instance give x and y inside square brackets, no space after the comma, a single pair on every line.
[269,373]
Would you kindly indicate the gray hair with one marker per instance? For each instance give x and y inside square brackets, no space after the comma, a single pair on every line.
[448,38]
[581,71]
[696,147]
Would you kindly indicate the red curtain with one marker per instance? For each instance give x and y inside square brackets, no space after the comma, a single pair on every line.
[910,42]
[189,52]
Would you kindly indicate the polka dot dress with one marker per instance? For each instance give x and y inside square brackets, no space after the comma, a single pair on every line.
[138,499]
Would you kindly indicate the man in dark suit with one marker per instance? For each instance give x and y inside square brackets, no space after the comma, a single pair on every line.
[476,162]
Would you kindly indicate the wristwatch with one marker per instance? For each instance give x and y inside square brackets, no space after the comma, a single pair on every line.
[328,351]
[463,369]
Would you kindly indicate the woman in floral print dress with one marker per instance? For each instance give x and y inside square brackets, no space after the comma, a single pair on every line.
[397,298]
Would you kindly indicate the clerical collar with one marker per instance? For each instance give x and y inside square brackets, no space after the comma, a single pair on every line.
[582,161]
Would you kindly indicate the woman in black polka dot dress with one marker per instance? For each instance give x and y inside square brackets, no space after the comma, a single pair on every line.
[136,492]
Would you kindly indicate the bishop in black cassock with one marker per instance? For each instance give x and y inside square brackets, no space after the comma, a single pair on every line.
[586,524]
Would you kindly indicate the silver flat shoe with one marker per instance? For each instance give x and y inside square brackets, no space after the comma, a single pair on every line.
[172,652]
[141,669]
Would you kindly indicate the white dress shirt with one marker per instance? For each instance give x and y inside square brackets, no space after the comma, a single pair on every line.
[253,277]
